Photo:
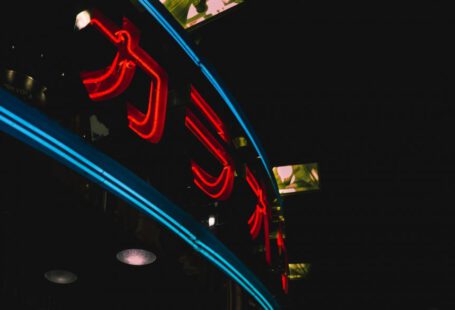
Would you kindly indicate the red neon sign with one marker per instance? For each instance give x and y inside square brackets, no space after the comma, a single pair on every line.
[219,187]
[209,113]
[282,251]
[115,79]
[260,214]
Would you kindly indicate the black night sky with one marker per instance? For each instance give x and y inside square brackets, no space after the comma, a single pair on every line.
[364,89]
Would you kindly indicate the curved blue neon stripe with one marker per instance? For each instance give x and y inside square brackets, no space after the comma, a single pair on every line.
[90,164]
[174,29]
[83,158]
[25,131]
[193,241]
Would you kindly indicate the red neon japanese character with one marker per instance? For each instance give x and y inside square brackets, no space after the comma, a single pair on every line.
[219,187]
[260,216]
[115,79]
[283,252]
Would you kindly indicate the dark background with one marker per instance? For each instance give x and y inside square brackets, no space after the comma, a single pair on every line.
[364,89]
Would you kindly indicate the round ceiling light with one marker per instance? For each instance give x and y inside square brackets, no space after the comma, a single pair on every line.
[60,276]
[136,257]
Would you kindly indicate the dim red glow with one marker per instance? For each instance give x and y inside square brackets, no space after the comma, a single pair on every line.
[260,215]
[111,82]
[215,187]
[280,241]
[283,252]
[205,108]
[284,283]
[255,222]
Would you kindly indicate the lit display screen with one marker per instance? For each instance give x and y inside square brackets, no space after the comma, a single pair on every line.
[192,12]
[297,178]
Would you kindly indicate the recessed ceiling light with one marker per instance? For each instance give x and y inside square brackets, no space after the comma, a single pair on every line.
[136,257]
[60,276]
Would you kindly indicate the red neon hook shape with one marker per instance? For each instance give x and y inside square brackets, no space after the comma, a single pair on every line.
[111,82]
[215,187]
[260,215]
[283,251]
[209,113]
[284,283]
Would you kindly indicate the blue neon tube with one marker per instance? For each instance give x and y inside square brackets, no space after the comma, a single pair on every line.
[35,129]
[157,10]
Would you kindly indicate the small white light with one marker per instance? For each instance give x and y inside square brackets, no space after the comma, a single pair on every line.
[42,55]
[82,20]
[211,221]
[136,257]
[13,47]
[60,276]
[63,74]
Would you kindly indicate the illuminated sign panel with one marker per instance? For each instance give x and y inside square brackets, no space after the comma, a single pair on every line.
[192,12]
[297,178]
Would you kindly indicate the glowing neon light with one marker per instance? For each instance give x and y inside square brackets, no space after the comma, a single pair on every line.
[104,74]
[284,283]
[282,251]
[200,102]
[206,138]
[105,84]
[79,156]
[255,222]
[215,187]
[166,20]
[110,86]
[260,215]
